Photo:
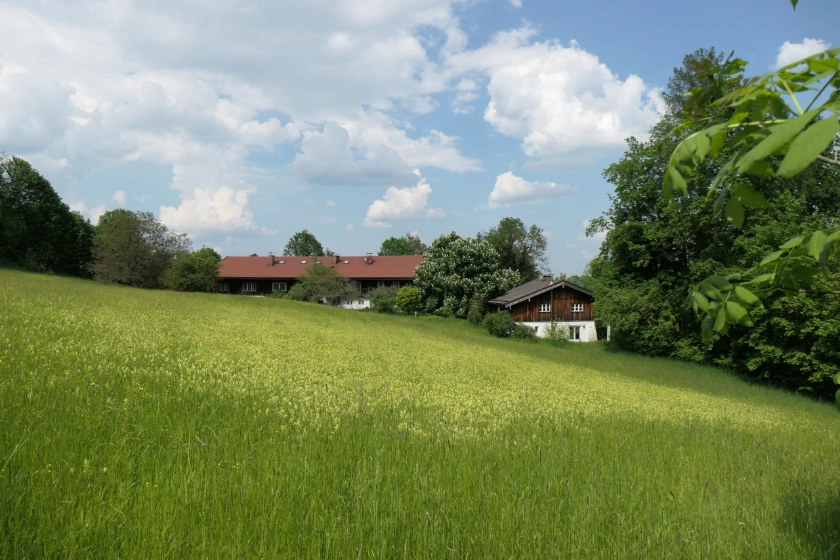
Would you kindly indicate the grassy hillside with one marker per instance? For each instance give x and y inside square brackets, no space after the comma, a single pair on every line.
[154,424]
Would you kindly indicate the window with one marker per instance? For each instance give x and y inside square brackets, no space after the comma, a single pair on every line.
[380,283]
[249,287]
[358,286]
[281,262]
[224,287]
[346,262]
[577,308]
[574,333]
[302,262]
[279,287]
[545,308]
[395,283]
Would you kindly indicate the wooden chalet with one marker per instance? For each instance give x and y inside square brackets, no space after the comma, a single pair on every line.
[539,302]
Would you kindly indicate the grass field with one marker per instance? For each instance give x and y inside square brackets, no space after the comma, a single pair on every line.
[146,424]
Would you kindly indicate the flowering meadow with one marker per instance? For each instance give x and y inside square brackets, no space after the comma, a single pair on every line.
[165,425]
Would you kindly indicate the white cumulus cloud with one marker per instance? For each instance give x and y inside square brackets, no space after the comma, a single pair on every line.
[791,52]
[566,106]
[510,189]
[399,205]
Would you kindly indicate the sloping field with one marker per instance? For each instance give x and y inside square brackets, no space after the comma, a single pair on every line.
[155,424]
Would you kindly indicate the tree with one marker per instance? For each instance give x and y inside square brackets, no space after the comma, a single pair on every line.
[322,284]
[194,272]
[303,244]
[409,299]
[37,230]
[406,245]
[384,299]
[135,249]
[458,269]
[519,248]
[765,136]
[655,250]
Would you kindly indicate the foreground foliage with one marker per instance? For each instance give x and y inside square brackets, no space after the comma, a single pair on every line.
[157,424]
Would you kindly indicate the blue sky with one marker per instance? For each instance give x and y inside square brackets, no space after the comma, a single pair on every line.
[242,122]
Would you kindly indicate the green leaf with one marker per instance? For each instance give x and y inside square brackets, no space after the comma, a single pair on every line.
[700,301]
[748,196]
[720,318]
[794,3]
[718,138]
[817,243]
[760,168]
[780,134]
[736,312]
[674,181]
[735,213]
[718,206]
[745,295]
[808,145]
[795,242]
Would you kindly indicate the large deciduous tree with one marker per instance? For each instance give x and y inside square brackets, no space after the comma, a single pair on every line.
[303,244]
[406,245]
[459,269]
[196,271]
[520,248]
[135,249]
[37,230]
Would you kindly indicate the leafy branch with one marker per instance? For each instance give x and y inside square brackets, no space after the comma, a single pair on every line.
[766,136]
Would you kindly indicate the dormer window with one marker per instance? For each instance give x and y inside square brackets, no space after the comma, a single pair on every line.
[281,262]
[303,262]
[346,262]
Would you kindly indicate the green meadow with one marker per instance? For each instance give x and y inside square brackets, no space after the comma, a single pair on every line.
[152,424]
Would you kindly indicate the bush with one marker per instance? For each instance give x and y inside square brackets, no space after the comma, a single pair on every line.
[409,299]
[523,331]
[557,334]
[476,313]
[277,295]
[499,324]
[384,300]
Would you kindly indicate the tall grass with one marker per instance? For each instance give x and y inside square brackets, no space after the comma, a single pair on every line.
[152,424]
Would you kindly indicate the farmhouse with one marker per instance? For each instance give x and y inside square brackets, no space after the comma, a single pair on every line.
[539,302]
[263,275]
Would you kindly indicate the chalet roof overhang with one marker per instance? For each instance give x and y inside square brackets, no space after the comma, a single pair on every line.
[546,287]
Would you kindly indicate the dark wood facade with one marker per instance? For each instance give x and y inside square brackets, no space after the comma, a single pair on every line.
[560,301]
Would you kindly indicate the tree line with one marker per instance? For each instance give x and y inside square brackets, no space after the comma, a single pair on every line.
[39,232]
[659,248]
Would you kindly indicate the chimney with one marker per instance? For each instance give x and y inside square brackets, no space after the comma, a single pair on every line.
[272,258]
[369,258]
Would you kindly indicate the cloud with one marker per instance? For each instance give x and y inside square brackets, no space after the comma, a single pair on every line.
[220,209]
[119,196]
[91,214]
[565,106]
[791,52]
[327,158]
[331,203]
[515,3]
[143,198]
[399,205]
[511,189]
[348,227]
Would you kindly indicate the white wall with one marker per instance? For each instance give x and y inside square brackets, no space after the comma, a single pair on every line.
[587,329]
[355,304]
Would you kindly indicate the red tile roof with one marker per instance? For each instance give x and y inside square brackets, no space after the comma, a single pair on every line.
[381,268]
